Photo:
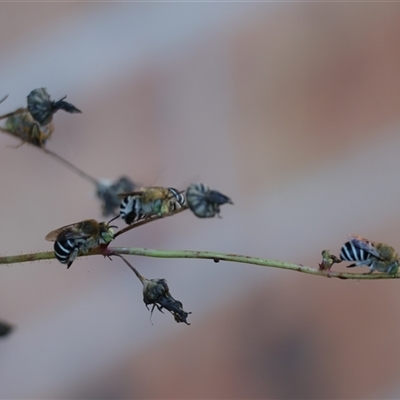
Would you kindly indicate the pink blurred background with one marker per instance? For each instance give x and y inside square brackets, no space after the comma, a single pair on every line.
[290,109]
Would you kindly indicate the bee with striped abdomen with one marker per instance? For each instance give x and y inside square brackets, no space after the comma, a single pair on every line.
[76,239]
[205,202]
[377,256]
[150,201]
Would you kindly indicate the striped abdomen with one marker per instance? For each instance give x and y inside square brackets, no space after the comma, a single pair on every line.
[131,209]
[350,252]
[66,251]
[178,197]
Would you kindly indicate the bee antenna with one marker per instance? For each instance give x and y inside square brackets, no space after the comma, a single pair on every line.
[111,220]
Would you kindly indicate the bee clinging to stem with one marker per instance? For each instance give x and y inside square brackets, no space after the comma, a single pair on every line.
[377,256]
[79,238]
[150,201]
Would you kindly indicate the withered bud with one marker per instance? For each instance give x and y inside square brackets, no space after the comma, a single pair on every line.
[108,193]
[42,107]
[205,202]
[5,328]
[328,260]
[156,292]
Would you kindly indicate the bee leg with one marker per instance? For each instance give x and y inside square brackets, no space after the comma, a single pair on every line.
[73,256]
[369,272]
[393,268]
[36,136]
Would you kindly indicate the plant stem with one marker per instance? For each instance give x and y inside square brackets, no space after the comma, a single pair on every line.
[71,166]
[20,258]
[208,255]
[147,220]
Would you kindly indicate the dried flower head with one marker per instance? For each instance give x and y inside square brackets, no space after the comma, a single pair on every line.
[205,202]
[42,108]
[156,292]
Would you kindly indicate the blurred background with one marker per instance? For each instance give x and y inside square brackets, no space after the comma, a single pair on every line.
[290,109]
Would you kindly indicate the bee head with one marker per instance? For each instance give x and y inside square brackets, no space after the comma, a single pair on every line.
[106,232]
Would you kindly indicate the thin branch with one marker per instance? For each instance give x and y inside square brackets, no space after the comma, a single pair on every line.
[20,258]
[136,272]
[62,160]
[147,220]
[207,255]
[69,165]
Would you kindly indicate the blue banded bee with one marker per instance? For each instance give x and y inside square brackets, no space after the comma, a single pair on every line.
[34,123]
[150,201]
[377,256]
[75,239]
[205,202]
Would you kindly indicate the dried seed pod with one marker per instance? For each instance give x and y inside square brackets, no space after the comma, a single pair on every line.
[42,108]
[205,202]
[156,292]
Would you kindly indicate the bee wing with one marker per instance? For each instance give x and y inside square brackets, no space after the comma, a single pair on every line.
[68,233]
[19,111]
[138,192]
[364,244]
[129,194]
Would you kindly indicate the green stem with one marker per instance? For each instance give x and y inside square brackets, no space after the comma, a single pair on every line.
[208,255]
[20,258]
